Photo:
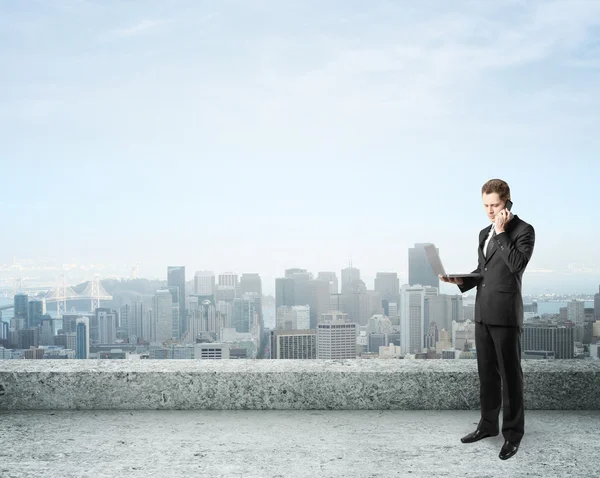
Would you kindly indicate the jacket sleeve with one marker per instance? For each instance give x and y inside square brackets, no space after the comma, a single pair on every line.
[516,254]
[470,282]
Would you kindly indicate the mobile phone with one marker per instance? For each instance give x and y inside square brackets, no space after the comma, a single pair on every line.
[508,204]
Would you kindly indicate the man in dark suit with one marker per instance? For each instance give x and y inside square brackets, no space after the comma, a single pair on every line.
[504,251]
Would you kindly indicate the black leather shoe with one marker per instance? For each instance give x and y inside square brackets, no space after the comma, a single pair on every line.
[508,449]
[476,436]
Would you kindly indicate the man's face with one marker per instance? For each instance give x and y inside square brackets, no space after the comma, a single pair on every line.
[493,205]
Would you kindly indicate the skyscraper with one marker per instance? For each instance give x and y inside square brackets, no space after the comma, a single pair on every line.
[419,268]
[204,283]
[251,283]
[412,317]
[388,285]
[21,310]
[107,326]
[163,316]
[36,310]
[176,278]
[244,310]
[331,278]
[318,300]
[82,338]
[350,275]
[228,279]
[285,293]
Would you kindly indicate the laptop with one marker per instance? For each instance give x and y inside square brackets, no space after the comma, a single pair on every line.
[436,263]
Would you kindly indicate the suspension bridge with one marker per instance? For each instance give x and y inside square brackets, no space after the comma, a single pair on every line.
[61,294]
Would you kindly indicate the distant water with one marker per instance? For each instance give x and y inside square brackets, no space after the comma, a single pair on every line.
[554,307]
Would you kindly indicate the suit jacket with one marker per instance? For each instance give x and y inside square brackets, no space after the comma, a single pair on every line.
[499,299]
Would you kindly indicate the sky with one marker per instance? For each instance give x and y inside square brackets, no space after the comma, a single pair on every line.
[255,136]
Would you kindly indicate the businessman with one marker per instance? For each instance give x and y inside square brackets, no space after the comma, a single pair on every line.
[504,251]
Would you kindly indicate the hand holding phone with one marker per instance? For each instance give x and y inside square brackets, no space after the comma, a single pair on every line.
[501,218]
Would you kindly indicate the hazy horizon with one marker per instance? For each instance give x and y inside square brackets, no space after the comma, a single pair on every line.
[261,136]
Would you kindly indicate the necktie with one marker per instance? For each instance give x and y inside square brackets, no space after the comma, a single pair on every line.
[491,243]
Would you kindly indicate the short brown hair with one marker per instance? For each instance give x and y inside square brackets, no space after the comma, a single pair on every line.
[496,186]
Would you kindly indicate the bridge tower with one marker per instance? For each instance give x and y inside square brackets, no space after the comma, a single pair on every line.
[61,296]
[95,292]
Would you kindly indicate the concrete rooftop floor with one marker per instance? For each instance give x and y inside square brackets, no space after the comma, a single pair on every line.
[290,444]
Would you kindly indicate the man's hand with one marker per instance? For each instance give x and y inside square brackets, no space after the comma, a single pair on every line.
[502,219]
[451,280]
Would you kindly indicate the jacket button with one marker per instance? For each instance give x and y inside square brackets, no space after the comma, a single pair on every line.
[483,285]
[485,268]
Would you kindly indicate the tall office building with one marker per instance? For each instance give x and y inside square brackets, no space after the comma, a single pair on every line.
[336,302]
[228,279]
[228,287]
[412,317]
[336,340]
[94,324]
[438,309]
[350,275]
[356,302]
[21,310]
[244,311]
[285,294]
[419,268]
[176,330]
[576,312]
[107,326]
[458,313]
[251,283]
[295,271]
[597,304]
[301,287]
[27,338]
[82,342]
[331,278]
[4,329]
[318,300]
[163,316]
[176,278]
[387,285]
[135,322]
[123,322]
[47,331]
[36,310]
[204,283]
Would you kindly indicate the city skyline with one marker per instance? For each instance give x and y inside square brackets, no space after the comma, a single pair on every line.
[258,137]
[568,282]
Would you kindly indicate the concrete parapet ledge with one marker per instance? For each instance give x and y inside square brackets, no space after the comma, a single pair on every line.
[282,385]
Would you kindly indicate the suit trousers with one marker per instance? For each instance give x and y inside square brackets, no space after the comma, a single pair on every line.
[500,379]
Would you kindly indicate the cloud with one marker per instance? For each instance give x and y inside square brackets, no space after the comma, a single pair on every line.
[439,67]
[142,28]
